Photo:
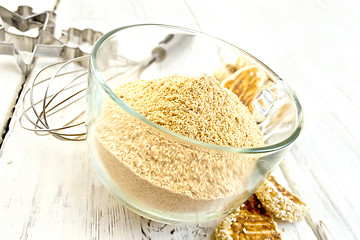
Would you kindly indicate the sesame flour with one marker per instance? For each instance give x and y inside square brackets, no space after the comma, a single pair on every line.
[148,166]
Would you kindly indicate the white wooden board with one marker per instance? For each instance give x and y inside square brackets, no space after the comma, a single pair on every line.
[52,192]
[11,81]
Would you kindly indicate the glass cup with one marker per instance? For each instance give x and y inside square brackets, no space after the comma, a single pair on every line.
[163,175]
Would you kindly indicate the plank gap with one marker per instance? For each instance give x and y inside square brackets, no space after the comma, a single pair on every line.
[11,113]
[193,15]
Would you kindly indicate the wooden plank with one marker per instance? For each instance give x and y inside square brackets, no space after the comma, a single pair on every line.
[11,80]
[85,14]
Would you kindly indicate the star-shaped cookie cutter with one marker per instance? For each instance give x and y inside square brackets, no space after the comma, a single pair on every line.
[72,43]
[14,33]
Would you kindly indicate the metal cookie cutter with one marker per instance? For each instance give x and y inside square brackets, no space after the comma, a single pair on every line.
[14,39]
[17,36]
[72,44]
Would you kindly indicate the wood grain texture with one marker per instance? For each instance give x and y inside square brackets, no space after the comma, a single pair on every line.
[11,78]
[53,192]
[314,47]
[11,81]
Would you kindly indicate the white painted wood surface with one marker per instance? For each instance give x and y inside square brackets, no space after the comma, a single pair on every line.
[11,81]
[48,188]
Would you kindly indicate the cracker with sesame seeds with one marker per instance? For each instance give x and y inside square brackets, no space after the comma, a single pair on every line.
[280,202]
[243,78]
[250,221]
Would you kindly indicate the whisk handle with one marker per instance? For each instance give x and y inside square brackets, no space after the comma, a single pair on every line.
[170,42]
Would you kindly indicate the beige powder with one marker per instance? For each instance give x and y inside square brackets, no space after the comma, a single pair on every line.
[152,168]
[196,107]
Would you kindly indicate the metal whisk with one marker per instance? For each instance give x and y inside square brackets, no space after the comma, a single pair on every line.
[40,112]
[64,92]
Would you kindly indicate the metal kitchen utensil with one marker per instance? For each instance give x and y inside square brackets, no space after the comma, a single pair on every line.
[16,39]
[40,112]
[17,35]
[65,90]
